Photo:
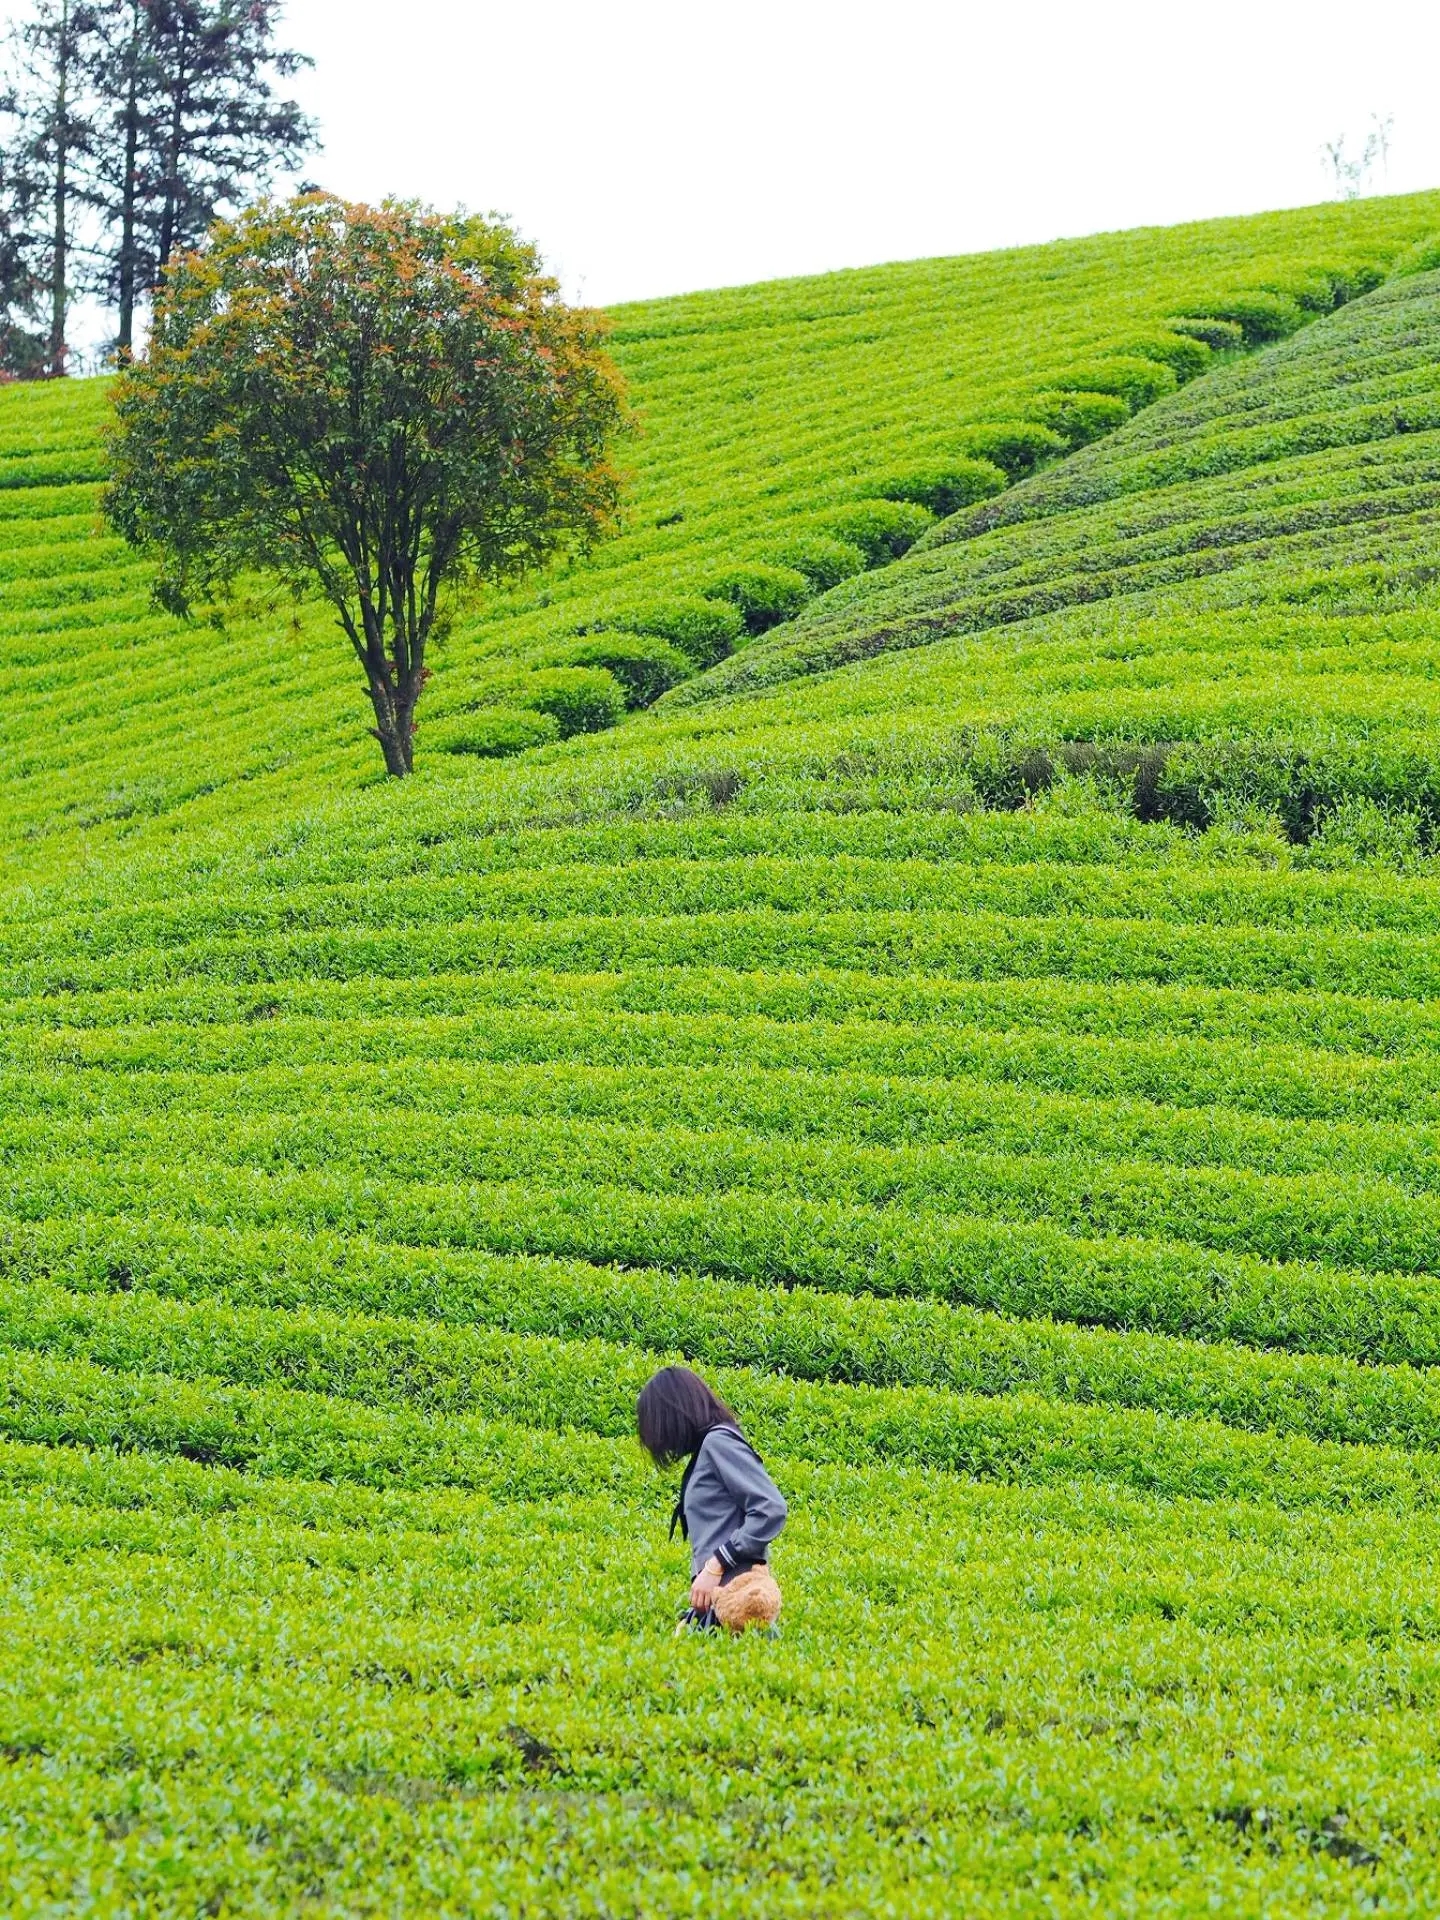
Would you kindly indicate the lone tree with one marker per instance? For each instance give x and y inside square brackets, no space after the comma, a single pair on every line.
[381,401]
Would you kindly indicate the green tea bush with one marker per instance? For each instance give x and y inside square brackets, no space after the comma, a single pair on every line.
[1219,479]
[793,1332]
[578,699]
[353,1364]
[881,529]
[1351,785]
[644,665]
[1221,336]
[1078,418]
[1423,257]
[1135,380]
[823,560]
[1260,315]
[945,486]
[1355,828]
[704,629]
[1016,447]
[492,732]
[1186,355]
[762,593]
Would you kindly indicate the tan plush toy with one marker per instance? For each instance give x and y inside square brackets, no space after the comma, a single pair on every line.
[751,1599]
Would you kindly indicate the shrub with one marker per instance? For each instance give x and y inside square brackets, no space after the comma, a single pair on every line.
[945,486]
[1356,830]
[1423,257]
[578,699]
[763,594]
[705,630]
[713,788]
[493,732]
[1220,336]
[881,529]
[824,561]
[1078,418]
[1352,283]
[1136,380]
[1184,354]
[1330,287]
[645,665]
[1298,784]
[1260,315]
[1015,446]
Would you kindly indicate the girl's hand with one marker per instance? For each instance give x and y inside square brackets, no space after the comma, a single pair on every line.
[705,1586]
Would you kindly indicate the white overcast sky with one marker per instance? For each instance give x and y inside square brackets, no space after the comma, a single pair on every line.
[653,146]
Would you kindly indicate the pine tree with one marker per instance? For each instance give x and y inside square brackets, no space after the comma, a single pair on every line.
[127,86]
[51,111]
[125,128]
[22,344]
[192,126]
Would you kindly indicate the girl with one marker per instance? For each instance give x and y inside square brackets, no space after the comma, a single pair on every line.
[729,1508]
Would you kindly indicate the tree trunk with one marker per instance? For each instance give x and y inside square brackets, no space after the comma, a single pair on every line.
[59,263]
[394,728]
[126,340]
[170,210]
[398,748]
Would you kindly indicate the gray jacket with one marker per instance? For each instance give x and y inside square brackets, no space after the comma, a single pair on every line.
[730,1505]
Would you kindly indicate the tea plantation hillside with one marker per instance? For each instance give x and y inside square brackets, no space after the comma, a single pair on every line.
[989,1025]
[1301,477]
[776,424]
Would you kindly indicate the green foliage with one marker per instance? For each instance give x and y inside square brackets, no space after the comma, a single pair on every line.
[1355,829]
[645,666]
[881,529]
[1078,418]
[1236,475]
[1183,351]
[824,560]
[945,486]
[494,732]
[579,699]
[1221,336]
[1261,315]
[374,403]
[750,433]
[705,630]
[1135,380]
[1015,446]
[1423,257]
[1008,1066]
[765,594]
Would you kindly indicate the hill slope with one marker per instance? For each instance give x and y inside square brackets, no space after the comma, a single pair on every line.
[1320,454]
[766,413]
[1009,1067]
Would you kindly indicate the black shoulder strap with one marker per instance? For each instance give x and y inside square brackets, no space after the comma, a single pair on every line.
[677,1518]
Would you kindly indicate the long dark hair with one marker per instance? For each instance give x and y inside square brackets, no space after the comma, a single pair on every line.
[674,1413]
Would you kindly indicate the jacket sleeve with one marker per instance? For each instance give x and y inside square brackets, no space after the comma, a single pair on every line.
[751,1487]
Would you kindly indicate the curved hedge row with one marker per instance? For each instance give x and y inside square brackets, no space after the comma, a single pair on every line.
[1268,466]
